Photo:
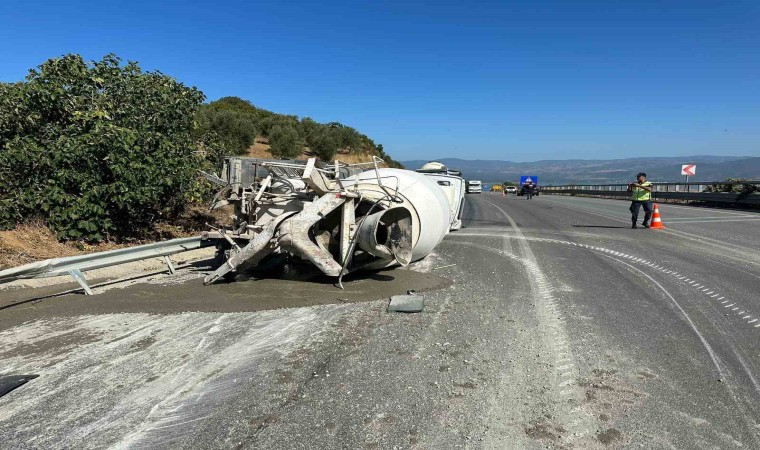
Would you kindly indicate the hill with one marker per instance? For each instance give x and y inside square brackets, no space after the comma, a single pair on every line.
[232,126]
[578,171]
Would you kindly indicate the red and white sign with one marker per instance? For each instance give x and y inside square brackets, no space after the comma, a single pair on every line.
[688,169]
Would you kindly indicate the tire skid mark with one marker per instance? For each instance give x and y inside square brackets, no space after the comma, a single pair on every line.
[578,422]
[700,288]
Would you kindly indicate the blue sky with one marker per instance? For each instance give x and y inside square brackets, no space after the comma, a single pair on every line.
[520,81]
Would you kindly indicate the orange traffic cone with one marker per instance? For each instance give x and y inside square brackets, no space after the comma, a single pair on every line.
[656,220]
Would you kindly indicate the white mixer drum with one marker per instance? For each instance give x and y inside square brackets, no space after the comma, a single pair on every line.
[419,193]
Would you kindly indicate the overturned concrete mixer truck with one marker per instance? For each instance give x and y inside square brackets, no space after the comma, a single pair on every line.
[339,217]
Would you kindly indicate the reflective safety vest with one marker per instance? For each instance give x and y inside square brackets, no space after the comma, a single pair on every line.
[641,195]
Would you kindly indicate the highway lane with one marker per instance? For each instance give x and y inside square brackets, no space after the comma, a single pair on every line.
[561,327]
[729,227]
[619,298]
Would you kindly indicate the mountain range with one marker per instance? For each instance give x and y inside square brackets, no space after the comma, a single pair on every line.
[581,171]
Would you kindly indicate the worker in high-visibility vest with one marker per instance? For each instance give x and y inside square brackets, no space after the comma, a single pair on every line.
[641,195]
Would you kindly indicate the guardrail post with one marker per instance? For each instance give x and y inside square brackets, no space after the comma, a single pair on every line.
[169,264]
[77,275]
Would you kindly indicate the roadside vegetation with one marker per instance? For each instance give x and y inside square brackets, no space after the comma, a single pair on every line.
[106,152]
[236,127]
[734,185]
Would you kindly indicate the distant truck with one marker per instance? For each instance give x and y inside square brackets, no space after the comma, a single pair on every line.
[474,187]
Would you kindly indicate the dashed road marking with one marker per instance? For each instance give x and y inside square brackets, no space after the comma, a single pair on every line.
[694,283]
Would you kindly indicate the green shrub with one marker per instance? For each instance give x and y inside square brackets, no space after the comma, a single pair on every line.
[747,188]
[97,149]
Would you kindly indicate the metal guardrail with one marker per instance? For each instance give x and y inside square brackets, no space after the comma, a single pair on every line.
[664,192]
[75,265]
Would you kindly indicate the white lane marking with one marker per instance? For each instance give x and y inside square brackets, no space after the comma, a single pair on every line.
[752,321]
[746,317]
[716,221]
[668,206]
[633,259]
[740,253]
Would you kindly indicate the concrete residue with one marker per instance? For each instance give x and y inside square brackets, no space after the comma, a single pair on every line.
[126,380]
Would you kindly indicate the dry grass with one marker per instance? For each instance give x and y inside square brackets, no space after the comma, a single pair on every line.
[353,158]
[260,149]
[33,242]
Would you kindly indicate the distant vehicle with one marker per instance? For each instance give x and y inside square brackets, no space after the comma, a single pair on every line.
[453,185]
[474,187]
[510,189]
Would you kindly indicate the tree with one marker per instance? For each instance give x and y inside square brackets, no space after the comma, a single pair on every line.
[236,129]
[270,121]
[310,130]
[97,149]
[236,104]
[324,145]
[347,137]
[285,142]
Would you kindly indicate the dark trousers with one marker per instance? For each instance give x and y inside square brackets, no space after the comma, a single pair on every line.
[636,206]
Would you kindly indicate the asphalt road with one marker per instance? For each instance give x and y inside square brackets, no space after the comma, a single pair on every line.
[558,326]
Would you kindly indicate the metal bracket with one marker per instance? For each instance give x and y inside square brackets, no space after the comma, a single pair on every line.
[77,275]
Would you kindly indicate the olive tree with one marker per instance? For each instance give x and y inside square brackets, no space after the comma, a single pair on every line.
[285,142]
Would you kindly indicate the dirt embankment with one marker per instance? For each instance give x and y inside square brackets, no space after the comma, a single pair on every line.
[28,243]
[34,242]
